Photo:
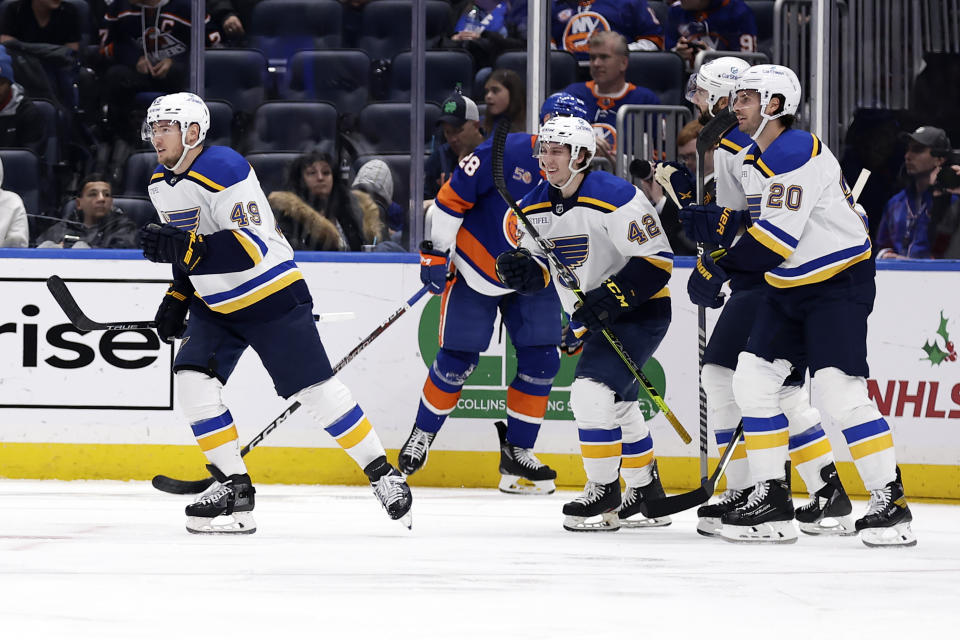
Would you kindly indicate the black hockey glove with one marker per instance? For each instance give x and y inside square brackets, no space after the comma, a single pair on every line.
[167,243]
[522,272]
[572,337]
[171,317]
[434,269]
[602,306]
[712,224]
[705,282]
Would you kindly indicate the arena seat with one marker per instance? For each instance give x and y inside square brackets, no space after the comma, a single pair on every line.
[271,168]
[292,126]
[51,152]
[763,14]
[444,69]
[280,28]
[21,174]
[385,26]
[237,76]
[659,71]
[384,126]
[221,123]
[341,77]
[563,68]
[136,175]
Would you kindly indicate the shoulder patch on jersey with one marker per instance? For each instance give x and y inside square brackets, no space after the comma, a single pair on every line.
[791,150]
[157,175]
[218,168]
[605,192]
[735,141]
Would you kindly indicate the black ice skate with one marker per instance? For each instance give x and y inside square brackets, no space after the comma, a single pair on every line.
[635,497]
[888,518]
[413,454]
[709,514]
[391,490]
[828,512]
[601,500]
[767,516]
[521,471]
[226,506]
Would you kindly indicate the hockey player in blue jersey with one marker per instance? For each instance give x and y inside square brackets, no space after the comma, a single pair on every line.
[234,273]
[470,227]
[607,232]
[713,25]
[810,240]
[574,21]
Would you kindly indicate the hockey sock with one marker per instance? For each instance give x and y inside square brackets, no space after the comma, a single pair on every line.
[332,405]
[810,449]
[636,460]
[724,414]
[756,386]
[738,470]
[217,438]
[600,440]
[528,393]
[441,391]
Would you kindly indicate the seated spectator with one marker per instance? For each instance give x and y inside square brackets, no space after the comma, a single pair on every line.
[608,89]
[505,95]
[904,228]
[485,29]
[460,124]
[576,21]
[46,21]
[14,227]
[373,186]
[713,25]
[230,16]
[100,226]
[945,217]
[318,212]
[21,123]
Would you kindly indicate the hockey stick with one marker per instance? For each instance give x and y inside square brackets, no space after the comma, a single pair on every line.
[499,144]
[683,501]
[172,485]
[707,139]
[860,184]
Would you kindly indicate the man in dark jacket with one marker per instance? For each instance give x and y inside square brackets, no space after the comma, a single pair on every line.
[100,226]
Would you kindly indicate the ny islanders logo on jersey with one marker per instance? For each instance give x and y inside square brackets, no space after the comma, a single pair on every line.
[580,27]
[511,227]
[160,45]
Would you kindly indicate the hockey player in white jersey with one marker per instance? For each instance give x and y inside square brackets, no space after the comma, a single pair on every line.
[607,232]
[810,240]
[828,512]
[235,274]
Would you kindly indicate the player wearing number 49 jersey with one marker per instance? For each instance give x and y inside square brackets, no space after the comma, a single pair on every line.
[234,273]
[607,232]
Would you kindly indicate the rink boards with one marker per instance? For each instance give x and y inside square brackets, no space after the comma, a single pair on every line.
[101,405]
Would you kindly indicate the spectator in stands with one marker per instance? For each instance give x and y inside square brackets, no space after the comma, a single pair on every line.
[505,95]
[46,21]
[374,182]
[230,16]
[904,230]
[14,227]
[21,123]
[715,25]
[101,225]
[608,89]
[460,123]
[945,218]
[318,212]
[485,29]
[576,21]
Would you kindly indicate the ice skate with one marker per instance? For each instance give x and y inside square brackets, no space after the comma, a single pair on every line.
[413,454]
[226,506]
[709,514]
[595,510]
[767,517]
[635,497]
[391,490]
[521,471]
[828,512]
[888,518]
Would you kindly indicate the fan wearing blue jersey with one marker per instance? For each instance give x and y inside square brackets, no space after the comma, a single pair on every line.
[234,273]
[574,21]
[809,239]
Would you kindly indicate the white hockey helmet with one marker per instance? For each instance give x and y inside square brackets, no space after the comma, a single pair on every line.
[184,109]
[717,78]
[573,132]
[769,80]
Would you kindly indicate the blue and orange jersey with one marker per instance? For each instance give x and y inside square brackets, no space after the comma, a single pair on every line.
[725,25]
[574,23]
[602,109]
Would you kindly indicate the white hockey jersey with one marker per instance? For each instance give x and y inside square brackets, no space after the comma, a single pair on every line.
[596,232]
[220,192]
[727,158]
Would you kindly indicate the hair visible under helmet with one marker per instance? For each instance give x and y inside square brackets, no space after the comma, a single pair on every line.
[184,109]
[770,80]
[717,78]
[562,103]
[574,132]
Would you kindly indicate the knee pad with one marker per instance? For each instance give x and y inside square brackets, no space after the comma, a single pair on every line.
[592,404]
[454,367]
[844,397]
[200,396]
[795,404]
[717,383]
[539,364]
[327,401]
[756,384]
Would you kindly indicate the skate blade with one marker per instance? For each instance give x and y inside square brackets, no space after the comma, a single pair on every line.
[645,523]
[899,535]
[781,532]
[829,526]
[406,520]
[606,522]
[709,527]
[234,524]
[522,486]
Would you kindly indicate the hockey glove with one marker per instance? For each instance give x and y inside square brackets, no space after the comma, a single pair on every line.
[602,306]
[167,243]
[712,224]
[434,269]
[171,317]
[677,182]
[705,282]
[572,337]
[520,271]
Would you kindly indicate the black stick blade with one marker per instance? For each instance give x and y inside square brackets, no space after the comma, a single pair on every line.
[713,131]
[58,289]
[180,487]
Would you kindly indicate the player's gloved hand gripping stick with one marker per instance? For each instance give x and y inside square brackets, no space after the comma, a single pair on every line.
[499,143]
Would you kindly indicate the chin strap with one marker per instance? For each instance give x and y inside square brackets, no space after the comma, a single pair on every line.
[186,148]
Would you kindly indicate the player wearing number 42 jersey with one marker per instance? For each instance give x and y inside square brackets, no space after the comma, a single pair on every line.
[234,273]
[607,232]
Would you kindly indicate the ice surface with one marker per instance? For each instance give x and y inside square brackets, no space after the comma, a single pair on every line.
[105,560]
